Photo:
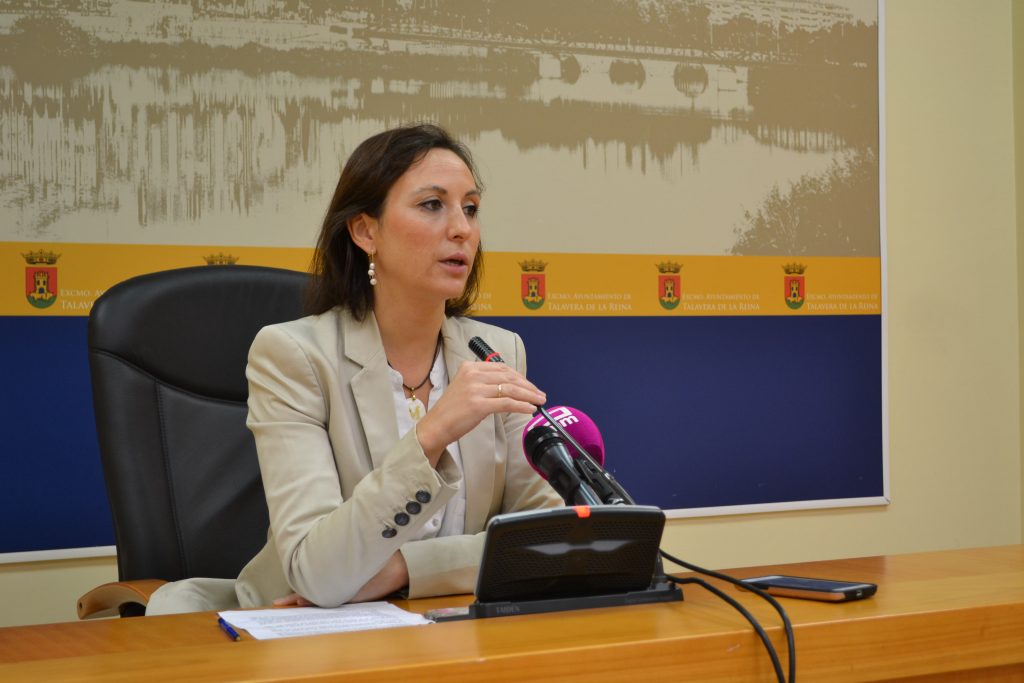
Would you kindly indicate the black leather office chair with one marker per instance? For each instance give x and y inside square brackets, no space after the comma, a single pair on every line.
[167,353]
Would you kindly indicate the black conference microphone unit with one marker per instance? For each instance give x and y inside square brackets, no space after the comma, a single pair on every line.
[546,451]
[593,478]
[544,444]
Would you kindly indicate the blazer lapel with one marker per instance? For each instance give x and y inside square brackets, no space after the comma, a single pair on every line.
[478,445]
[371,385]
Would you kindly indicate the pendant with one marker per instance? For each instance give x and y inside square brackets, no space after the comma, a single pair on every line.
[416,409]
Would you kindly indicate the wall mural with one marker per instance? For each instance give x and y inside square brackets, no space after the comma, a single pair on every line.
[674,158]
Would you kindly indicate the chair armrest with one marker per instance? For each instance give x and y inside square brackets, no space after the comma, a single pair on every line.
[107,600]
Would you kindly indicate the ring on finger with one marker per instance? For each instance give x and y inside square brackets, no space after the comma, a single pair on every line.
[499,391]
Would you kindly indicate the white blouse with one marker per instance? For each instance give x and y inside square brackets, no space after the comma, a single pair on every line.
[451,519]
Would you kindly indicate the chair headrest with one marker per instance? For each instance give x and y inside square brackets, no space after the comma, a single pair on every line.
[192,327]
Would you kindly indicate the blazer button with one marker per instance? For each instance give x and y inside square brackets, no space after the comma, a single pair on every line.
[401,519]
[389,532]
[423,496]
[412,507]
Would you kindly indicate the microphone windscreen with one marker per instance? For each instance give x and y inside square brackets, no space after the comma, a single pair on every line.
[579,426]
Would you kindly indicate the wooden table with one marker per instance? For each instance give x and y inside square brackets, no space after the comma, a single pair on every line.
[942,616]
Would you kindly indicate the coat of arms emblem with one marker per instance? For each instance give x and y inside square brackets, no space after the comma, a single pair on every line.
[531,283]
[220,259]
[669,284]
[41,278]
[796,287]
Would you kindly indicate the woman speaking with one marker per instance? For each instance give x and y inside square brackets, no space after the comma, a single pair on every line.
[384,448]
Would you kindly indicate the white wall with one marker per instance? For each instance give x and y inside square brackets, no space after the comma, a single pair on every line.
[1018,115]
[44,592]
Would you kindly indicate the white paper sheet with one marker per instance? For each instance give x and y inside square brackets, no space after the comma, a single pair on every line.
[264,624]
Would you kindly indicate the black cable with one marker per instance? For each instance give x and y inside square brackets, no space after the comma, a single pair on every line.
[787,625]
[747,615]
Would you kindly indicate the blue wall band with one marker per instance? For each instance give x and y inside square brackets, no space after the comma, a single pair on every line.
[695,412]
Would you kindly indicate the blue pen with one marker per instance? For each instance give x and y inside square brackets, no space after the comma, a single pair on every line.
[226,627]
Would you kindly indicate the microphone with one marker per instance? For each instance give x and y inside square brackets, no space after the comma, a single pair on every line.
[578,424]
[546,452]
[608,491]
[582,432]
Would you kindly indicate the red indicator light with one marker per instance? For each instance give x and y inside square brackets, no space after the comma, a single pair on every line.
[582,511]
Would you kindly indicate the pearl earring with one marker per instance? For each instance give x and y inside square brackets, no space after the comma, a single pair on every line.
[372,271]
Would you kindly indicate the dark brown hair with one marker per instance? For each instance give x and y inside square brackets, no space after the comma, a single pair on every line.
[339,265]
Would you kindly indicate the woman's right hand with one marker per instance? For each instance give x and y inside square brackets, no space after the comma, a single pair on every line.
[392,577]
[478,390]
[293,600]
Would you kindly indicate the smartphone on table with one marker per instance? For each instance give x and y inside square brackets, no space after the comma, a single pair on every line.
[812,589]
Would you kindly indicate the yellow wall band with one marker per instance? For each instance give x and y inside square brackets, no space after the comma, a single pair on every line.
[64,279]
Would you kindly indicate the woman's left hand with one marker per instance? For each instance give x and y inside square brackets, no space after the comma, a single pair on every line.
[476,391]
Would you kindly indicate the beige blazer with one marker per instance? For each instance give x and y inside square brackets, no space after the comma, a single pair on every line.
[336,474]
